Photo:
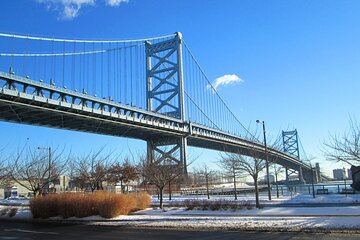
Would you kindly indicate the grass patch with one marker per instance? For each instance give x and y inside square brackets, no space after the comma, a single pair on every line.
[105,204]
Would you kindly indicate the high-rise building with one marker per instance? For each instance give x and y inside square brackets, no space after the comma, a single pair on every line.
[339,174]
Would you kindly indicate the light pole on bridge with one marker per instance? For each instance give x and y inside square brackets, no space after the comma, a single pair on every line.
[266,159]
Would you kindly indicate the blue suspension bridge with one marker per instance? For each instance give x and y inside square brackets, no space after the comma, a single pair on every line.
[151,89]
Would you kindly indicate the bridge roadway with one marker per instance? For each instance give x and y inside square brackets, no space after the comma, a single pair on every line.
[36,103]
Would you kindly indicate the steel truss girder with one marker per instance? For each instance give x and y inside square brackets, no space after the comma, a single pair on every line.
[44,96]
[100,116]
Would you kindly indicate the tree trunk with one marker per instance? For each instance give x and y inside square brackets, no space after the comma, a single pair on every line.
[161,189]
[257,202]
[169,190]
[277,186]
[207,186]
[235,190]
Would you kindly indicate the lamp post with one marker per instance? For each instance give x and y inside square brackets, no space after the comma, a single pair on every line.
[312,182]
[266,159]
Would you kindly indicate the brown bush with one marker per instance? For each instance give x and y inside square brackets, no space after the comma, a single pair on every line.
[105,204]
[143,200]
[44,207]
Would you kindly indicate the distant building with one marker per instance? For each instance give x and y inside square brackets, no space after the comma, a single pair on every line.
[272,178]
[349,173]
[339,174]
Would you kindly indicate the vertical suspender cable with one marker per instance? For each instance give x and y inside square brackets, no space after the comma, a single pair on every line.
[102,70]
[63,66]
[94,70]
[114,73]
[125,70]
[131,77]
[73,68]
[137,75]
[109,71]
[121,92]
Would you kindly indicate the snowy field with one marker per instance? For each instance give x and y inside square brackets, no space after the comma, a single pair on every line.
[271,217]
[288,200]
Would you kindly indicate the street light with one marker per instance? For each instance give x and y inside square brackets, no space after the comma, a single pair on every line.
[312,182]
[267,159]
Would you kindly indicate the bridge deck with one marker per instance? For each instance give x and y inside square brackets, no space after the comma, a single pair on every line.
[46,105]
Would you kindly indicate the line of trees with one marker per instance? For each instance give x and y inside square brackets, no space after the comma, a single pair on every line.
[36,171]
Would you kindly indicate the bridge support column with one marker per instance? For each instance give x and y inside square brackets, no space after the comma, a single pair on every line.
[165,95]
[301,177]
[310,176]
[287,176]
[318,173]
[168,152]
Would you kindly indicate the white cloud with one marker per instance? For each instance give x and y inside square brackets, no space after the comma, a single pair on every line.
[70,9]
[226,80]
[115,3]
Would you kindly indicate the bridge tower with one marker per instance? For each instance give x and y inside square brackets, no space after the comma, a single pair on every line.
[291,146]
[165,95]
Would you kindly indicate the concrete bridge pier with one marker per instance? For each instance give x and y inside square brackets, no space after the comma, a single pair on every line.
[310,176]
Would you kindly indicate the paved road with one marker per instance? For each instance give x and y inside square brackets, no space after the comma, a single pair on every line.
[38,231]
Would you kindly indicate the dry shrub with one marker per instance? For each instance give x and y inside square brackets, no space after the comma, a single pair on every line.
[217,205]
[143,200]
[105,204]
[191,204]
[4,211]
[113,205]
[44,207]
[13,212]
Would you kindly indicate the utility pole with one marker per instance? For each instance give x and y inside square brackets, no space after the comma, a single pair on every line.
[266,159]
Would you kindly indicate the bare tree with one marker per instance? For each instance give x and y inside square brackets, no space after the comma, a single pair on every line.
[123,173]
[35,170]
[345,148]
[251,166]
[277,170]
[230,163]
[5,176]
[206,173]
[159,174]
[91,169]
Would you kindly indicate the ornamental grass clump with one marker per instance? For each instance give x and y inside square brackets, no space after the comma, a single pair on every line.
[105,204]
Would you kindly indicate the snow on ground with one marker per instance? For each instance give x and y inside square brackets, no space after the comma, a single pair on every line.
[288,200]
[15,201]
[271,217]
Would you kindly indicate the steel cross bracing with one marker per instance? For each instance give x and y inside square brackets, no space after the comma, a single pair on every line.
[165,95]
[291,146]
[291,143]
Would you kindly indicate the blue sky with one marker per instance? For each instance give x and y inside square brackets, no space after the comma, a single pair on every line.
[299,60]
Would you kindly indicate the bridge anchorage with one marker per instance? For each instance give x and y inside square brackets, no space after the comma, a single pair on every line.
[149,89]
